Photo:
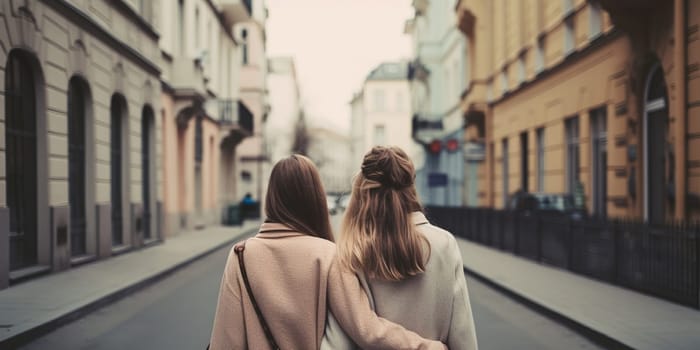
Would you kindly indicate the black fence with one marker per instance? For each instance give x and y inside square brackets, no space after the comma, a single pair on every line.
[659,260]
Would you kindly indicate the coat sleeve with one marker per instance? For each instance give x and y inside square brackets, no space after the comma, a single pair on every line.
[228,331]
[350,306]
[462,332]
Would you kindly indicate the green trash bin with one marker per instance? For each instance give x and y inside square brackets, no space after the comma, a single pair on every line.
[233,215]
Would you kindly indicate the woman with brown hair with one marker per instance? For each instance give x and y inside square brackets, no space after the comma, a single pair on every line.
[277,287]
[411,270]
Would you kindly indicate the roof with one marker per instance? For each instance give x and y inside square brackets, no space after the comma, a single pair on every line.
[389,71]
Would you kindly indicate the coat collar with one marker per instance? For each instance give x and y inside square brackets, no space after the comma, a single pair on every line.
[276,230]
[418,218]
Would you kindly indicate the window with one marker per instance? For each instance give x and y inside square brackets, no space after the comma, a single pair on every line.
[568,6]
[569,38]
[379,135]
[400,102]
[539,56]
[504,81]
[196,28]
[458,74]
[540,159]
[600,160]
[180,30]
[77,103]
[524,166]
[244,47]
[505,172]
[379,102]
[147,121]
[21,158]
[489,91]
[117,161]
[595,20]
[572,154]
[521,70]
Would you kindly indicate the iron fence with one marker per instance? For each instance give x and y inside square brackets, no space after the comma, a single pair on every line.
[660,260]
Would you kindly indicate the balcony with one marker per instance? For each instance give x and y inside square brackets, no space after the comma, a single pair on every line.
[425,128]
[236,11]
[187,77]
[235,120]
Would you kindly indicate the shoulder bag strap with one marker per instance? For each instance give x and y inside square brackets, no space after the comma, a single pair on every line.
[241,263]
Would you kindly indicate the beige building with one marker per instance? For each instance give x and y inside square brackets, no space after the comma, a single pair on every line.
[80,140]
[251,154]
[599,96]
[204,119]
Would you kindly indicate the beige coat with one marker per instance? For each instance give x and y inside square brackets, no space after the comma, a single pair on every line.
[295,278]
[434,304]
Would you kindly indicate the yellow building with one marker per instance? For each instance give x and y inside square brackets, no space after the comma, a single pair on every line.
[601,97]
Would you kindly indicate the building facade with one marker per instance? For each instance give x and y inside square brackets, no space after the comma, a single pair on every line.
[285,108]
[599,98]
[204,119]
[80,141]
[331,151]
[438,77]
[251,153]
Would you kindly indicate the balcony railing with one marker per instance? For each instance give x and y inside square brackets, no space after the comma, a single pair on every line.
[234,112]
[423,128]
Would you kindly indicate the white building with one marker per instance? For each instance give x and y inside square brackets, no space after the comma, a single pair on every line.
[438,78]
[285,107]
[80,140]
[381,112]
[330,151]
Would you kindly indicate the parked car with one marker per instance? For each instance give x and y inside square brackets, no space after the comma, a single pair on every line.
[550,203]
[332,202]
[343,201]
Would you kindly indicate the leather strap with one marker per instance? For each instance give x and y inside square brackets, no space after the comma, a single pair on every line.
[241,263]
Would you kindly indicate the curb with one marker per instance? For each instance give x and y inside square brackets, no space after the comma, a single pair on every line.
[33,333]
[596,336]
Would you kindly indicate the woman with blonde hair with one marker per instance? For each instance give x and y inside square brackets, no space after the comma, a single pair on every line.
[411,270]
[278,286]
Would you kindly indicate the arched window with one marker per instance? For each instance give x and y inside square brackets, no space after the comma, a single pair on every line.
[659,167]
[147,121]
[21,158]
[198,157]
[78,95]
[118,114]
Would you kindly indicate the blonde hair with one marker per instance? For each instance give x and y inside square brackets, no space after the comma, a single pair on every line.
[377,236]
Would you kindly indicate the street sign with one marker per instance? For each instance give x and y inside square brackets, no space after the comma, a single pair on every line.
[437,179]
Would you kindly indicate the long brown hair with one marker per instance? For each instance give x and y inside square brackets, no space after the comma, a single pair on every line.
[378,237]
[295,197]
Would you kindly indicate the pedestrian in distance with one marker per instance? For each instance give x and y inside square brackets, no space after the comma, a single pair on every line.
[411,270]
[279,286]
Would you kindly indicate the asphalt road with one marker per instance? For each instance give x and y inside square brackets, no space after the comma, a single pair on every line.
[177,313]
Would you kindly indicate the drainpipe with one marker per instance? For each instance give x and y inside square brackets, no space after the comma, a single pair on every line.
[680,67]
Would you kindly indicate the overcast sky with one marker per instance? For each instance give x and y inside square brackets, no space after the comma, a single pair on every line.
[336,43]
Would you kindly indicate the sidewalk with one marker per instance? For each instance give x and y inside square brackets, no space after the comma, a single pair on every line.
[612,314]
[30,309]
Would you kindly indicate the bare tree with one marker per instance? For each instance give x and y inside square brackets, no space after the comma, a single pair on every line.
[301,136]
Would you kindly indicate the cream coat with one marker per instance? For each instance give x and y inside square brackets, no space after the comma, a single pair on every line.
[434,304]
[295,279]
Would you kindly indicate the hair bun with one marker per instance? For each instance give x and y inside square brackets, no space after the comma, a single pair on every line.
[388,166]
